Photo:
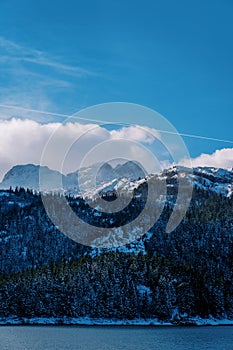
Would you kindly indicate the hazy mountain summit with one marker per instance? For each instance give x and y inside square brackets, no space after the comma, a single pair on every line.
[28,176]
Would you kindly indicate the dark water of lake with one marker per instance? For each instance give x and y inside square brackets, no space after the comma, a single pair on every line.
[114,338]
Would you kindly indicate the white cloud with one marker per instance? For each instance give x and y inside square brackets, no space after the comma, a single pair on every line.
[136,133]
[67,69]
[33,79]
[22,141]
[222,158]
[13,53]
[33,103]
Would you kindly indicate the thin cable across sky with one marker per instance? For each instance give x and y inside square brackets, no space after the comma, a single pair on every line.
[104,121]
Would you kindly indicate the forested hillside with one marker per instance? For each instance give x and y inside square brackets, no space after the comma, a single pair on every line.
[174,276]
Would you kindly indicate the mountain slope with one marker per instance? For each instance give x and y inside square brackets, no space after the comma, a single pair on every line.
[172,277]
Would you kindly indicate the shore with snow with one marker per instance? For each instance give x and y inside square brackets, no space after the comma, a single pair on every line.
[85,321]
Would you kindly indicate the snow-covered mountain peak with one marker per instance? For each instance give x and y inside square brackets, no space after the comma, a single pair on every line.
[21,170]
[123,177]
[28,176]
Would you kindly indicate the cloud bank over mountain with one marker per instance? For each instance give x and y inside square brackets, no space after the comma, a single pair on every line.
[221,158]
[22,141]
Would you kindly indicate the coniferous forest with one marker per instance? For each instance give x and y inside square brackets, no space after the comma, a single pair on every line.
[170,277]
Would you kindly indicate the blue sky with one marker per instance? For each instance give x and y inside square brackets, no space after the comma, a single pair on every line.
[172,56]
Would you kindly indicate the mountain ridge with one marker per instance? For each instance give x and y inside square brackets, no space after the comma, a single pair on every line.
[29,175]
[126,176]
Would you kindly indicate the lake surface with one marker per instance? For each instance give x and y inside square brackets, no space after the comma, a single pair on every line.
[114,338]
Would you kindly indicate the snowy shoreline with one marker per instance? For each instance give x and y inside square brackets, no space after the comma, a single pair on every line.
[85,321]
